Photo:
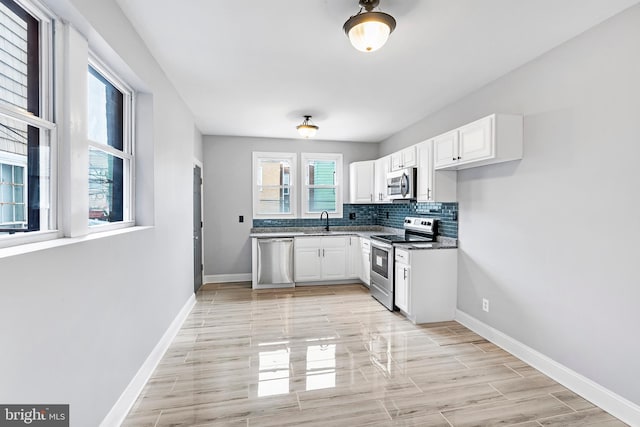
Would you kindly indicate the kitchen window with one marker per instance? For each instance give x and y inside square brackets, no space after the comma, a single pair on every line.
[26,142]
[322,176]
[274,175]
[111,159]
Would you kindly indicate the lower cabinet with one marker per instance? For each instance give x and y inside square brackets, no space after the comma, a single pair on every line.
[365,254]
[426,284]
[355,259]
[321,258]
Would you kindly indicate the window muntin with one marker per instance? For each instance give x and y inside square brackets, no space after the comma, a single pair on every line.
[25,134]
[322,178]
[110,148]
[274,178]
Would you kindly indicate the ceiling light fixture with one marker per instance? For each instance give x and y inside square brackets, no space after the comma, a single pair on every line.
[369,31]
[307,129]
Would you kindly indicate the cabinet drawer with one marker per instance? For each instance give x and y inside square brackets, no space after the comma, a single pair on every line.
[366,245]
[307,242]
[402,256]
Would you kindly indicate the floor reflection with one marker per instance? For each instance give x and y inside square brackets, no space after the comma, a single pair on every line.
[321,366]
[274,370]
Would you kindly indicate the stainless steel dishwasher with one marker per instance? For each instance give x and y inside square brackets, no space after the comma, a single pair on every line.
[275,261]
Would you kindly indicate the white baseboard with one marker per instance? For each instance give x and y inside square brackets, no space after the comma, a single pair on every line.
[616,405]
[119,411]
[227,278]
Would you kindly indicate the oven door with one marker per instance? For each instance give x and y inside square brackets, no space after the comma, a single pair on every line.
[382,273]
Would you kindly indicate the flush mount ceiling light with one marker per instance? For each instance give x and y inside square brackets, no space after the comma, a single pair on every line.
[369,31]
[307,129]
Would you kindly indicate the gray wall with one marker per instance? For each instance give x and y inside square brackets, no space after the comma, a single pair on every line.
[77,321]
[551,240]
[228,186]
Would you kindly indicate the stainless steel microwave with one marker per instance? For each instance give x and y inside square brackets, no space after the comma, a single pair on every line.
[402,184]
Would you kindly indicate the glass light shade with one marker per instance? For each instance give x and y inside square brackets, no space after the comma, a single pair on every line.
[307,131]
[369,31]
[369,36]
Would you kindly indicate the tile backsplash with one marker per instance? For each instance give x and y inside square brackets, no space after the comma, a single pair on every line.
[387,215]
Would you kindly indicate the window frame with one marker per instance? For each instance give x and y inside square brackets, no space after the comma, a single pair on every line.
[43,122]
[127,154]
[304,187]
[293,200]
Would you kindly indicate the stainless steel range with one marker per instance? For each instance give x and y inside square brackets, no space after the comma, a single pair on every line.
[382,255]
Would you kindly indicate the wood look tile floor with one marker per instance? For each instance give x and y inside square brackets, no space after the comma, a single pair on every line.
[333,356]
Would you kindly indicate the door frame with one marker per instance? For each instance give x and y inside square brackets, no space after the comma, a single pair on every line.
[199,164]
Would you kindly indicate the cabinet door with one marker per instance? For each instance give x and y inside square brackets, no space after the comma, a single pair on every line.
[425,171]
[445,149]
[396,161]
[308,264]
[355,258]
[402,287]
[382,168]
[334,258]
[476,140]
[361,182]
[365,253]
[409,157]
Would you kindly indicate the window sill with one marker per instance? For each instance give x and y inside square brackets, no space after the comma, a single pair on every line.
[53,242]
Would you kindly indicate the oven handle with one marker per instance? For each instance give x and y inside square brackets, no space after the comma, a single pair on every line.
[380,245]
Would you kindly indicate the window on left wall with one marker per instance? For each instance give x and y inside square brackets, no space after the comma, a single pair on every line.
[111,155]
[26,194]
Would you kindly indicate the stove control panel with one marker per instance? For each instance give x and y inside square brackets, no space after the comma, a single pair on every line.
[424,225]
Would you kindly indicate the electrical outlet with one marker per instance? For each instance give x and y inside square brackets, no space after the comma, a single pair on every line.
[485,305]
[352,215]
[241,218]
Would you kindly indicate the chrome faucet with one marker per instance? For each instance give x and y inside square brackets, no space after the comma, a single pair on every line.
[321,215]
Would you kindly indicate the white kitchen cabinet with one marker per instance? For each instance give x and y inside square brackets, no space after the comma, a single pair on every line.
[355,258]
[445,149]
[426,283]
[405,158]
[434,186]
[401,275]
[382,168]
[362,182]
[493,139]
[320,258]
[365,253]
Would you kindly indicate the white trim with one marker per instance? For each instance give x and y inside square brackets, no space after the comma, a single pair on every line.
[611,402]
[227,278]
[123,405]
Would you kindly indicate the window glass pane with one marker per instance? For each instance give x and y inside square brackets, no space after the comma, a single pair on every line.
[321,172]
[274,186]
[18,195]
[6,176]
[106,193]
[19,77]
[274,200]
[6,195]
[18,175]
[106,109]
[7,213]
[19,212]
[273,172]
[321,199]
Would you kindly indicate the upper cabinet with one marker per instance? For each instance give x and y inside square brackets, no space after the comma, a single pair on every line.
[383,167]
[434,186]
[361,182]
[492,139]
[406,158]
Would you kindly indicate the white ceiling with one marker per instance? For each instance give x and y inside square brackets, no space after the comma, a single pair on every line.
[253,68]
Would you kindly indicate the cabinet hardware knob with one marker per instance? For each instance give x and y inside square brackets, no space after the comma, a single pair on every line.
[454,158]
[459,157]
